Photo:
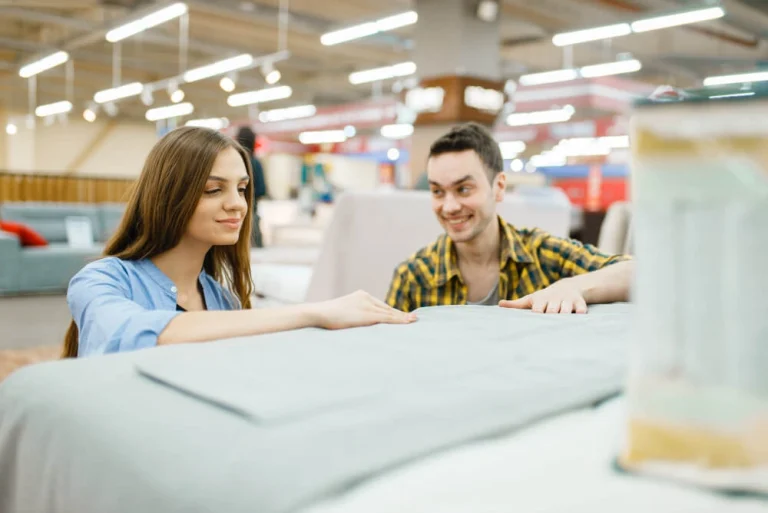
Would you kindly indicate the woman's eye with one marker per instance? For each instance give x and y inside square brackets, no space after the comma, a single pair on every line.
[212,191]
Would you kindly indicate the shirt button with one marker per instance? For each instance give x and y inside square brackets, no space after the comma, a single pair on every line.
[174,289]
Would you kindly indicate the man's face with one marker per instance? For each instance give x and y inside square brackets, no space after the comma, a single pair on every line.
[462,197]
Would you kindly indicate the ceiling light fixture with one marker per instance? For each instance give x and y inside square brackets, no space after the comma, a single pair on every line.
[371,75]
[260,96]
[116,93]
[639,26]
[368,29]
[146,22]
[170,111]
[218,68]
[53,108]
[46,63]
[297,112]
[742,78]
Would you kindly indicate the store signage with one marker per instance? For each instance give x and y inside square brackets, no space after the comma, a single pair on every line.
[425,99]
[482,98]
[456,99]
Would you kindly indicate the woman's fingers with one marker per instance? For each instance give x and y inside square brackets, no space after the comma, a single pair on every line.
[392,315]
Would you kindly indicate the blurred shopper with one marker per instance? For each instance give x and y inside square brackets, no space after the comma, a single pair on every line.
[247,139]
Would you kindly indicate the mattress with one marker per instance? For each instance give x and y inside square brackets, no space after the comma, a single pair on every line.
[279,423]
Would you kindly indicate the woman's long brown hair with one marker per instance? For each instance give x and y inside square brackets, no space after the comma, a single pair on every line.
[163,200]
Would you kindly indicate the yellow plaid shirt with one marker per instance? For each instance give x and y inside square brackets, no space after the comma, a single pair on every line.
[531,260]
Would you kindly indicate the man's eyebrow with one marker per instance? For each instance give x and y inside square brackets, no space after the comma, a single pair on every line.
[215,178]
[456,182]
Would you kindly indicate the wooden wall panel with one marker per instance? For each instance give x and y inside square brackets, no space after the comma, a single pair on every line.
[61,188]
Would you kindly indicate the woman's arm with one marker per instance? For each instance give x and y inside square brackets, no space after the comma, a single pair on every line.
[356,309]
[201,326]
[109,322]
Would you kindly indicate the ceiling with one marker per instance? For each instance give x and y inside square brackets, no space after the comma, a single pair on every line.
[318,74]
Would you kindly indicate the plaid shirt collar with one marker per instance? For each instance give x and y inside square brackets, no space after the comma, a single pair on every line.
[512,249]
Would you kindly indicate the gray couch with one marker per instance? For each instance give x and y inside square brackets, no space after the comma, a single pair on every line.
[49,268]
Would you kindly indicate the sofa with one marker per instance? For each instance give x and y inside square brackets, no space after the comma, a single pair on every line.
[49,268]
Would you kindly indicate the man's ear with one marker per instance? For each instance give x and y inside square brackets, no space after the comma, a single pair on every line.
[500,186]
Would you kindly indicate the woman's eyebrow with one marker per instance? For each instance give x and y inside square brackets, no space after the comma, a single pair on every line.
[243,178]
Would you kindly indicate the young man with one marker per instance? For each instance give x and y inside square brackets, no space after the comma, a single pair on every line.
[481,259]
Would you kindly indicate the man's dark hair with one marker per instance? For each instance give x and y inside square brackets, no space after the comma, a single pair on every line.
[247,139]
[471,136]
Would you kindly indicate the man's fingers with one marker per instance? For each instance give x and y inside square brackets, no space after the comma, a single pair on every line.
[553,306]
[523,302]
[539,305]
[546,305]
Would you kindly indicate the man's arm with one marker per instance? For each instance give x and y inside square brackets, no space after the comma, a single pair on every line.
[579,275]
[399,290]
[610,284]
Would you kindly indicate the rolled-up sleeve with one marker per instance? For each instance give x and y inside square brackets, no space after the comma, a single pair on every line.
[563,258]
[107,320]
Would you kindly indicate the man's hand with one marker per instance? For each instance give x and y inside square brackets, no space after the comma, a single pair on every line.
[608,285]
[563,296]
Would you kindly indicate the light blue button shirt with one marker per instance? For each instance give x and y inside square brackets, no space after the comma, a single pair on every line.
[124,305]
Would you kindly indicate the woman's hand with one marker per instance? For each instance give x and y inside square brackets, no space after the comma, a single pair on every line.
[356,309]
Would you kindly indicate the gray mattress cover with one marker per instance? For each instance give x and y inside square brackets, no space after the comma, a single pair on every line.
[275,422]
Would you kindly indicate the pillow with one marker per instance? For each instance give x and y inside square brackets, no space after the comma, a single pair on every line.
[27,235]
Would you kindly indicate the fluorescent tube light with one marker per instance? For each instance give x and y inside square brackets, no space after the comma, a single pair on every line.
[371,75]
[53,108]
[611,68]
[297,112]
[218,68]
[592,34]
[549,77]
[742,78]
[673,20]
[541,117]
[260,96]
[214,123]
[146,22]
[170,111]
[116,93]
[40,65]
[370,28]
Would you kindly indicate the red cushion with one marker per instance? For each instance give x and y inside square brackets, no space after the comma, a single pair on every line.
[27,235]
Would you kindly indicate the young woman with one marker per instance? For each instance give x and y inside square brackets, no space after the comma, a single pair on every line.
[178,268]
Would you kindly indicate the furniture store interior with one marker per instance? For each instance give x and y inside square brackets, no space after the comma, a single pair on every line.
[354,256]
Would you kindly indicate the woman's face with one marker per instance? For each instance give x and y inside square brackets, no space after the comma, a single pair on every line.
[219,216]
